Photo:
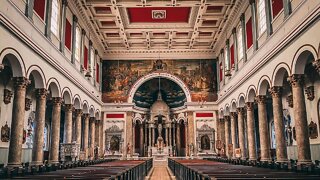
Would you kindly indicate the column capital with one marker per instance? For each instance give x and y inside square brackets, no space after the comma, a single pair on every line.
[249,106]
[226,118]
[240,110]
[296,80]
[85,115]
[41,93]
[92,119]
[234,30]
[242,17]
[65,2]
[221,119]
[276,91]
[261,99]
[252,2]
[57,101]
[83,32]
[75,18]
[21,82]
[316,65]
[68,107]
[233,114]
[90,43]
[78,112]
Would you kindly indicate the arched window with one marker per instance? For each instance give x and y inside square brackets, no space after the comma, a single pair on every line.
[78,43]
[240,43]
[55,17]
[262,21]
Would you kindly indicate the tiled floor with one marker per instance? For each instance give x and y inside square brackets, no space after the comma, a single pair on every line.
[160,172]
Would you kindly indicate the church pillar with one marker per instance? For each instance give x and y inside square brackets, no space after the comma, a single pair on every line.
[55,130]
[222,137]
[97,137]
[190,132]
[227,135]
[174,134]
[241,132]
[145,144]
[141,139]
[186,139]
[78,113]
[300,116]
[167,135]
[37,149]
[18,112]
[86,135]
[68,123]
[170,137]
[178,139]
[92,136]
[233,133]
[101,139]
[149,139]
[129,136]
[251,130]
[281,149]
[153,136]
[133,137]
[263,128]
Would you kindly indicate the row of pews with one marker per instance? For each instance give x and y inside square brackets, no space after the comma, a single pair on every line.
[198,169]
[99,169]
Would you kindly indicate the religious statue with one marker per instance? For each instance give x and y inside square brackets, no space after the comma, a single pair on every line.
[5,133]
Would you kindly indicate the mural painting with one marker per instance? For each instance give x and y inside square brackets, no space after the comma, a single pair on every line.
[119,76]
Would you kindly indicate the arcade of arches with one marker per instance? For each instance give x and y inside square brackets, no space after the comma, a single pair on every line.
[86,80]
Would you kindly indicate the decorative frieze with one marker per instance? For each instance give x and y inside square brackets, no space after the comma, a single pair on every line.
[28,103]
[7,95]
[309,92]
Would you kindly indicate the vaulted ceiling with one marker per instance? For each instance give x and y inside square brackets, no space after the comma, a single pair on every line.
[150,25]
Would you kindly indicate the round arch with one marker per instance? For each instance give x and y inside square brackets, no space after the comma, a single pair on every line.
[263,85]
[77,102]
[97,115]
[150,76]
[85,107]
[66,95]
[241,100]
[38,75]
[91,111]
[15,61]
[300,58]
[233,106]
[278,74]
[251,94]
[54,86]
[221,113]
[227,110]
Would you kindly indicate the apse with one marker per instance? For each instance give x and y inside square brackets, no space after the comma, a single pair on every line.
[171,93]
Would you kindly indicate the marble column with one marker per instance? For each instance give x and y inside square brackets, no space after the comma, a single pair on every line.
[134,137]
[222,136]
[141,139]
[251,132]
[190,131]
[281,148]
[37,149]
[186,139]
[241,132]
[227,135]
[86,135]
[233,133]
[149,140]
[97,136]
[78,113]
[263,128]
[129,136]
[167,136]
[145,142]
[18,116]
[92,136]
[153,135]
[55,130]
[174,134]
[170,137]
[68,123]
[101,139]
[300,116]
[178,139]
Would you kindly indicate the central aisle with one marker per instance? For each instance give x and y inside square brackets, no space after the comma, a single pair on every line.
[160,171]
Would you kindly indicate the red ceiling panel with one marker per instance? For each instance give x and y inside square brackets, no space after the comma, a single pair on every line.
[173,15]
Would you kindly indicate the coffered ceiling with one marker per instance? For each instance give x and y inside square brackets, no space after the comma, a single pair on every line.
[150,26]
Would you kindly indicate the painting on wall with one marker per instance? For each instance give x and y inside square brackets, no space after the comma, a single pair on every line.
[119,76]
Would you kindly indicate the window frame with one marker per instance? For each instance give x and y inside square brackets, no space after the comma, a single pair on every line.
[57,18]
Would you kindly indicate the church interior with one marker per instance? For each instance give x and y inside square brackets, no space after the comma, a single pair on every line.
[160,89]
